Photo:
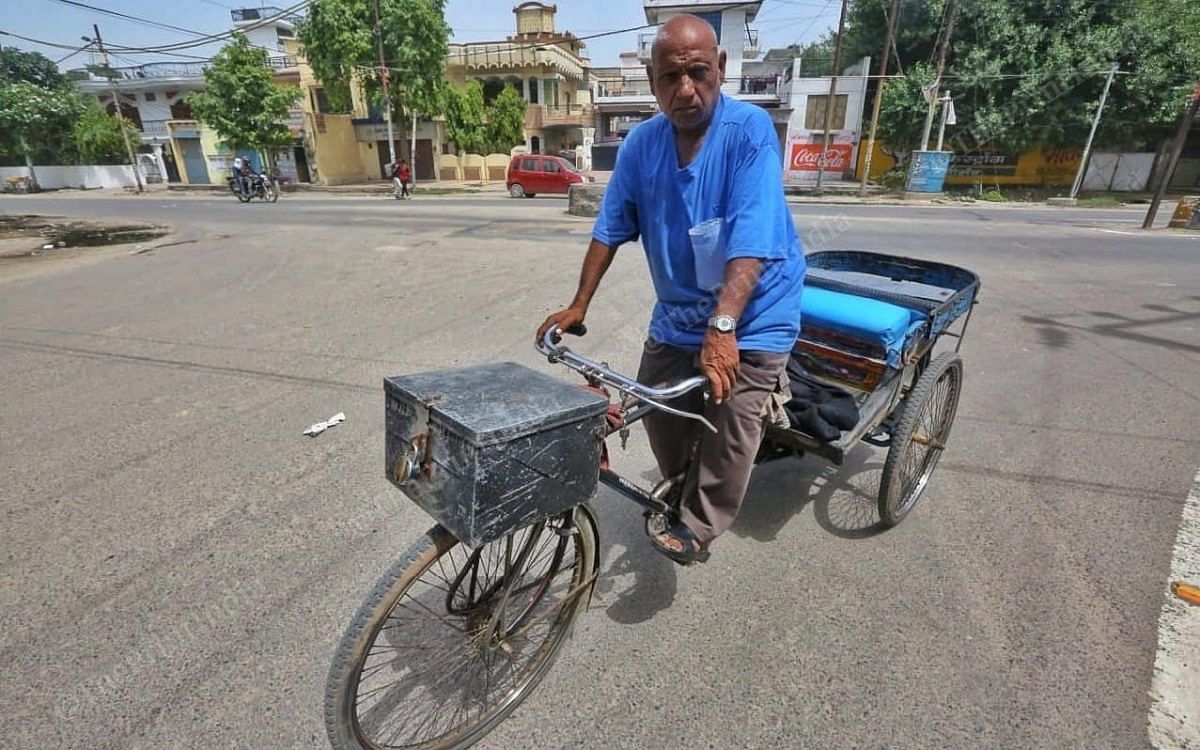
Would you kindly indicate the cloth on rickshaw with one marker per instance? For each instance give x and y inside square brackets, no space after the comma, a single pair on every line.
[818,409]
[870,320]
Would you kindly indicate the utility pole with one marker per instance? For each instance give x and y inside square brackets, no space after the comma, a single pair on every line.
[952,14]
[387,91]
[112,86]
[830,102]
[946,101]
[1185,125]
[892,21]
[1087,149]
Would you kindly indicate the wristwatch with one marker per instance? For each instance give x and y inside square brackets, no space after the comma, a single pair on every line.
[723,323]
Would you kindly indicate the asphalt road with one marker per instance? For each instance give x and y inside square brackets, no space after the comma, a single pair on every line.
[177,562]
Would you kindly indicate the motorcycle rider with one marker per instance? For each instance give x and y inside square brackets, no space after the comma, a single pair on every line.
[240,168]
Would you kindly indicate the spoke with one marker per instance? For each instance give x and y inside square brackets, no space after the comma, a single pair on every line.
[435,615]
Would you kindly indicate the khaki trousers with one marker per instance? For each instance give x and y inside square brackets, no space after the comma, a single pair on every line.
[715,484]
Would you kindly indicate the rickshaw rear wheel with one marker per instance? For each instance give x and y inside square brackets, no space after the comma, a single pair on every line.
[920,437]
[452,639]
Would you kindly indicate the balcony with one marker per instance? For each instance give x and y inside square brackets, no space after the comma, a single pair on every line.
[645,43]
[626,87]
[508,57]
[155,129]
[750,44]
[540,116]
[759,86]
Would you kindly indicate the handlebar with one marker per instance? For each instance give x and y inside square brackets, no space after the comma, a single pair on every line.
[560,354]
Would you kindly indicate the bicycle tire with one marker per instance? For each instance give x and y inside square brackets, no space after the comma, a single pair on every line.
[342,720]
[899,487]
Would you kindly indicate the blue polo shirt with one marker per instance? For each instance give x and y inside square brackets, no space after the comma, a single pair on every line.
[738,177]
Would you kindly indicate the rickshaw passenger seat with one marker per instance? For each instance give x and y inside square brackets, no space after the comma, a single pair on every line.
[863,318]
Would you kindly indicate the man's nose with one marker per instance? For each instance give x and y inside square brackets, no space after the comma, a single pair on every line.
[687,87]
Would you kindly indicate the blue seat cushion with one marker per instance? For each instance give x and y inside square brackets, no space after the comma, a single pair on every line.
[868,320]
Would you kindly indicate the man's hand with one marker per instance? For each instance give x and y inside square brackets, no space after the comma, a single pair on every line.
[719,362]
[560,321]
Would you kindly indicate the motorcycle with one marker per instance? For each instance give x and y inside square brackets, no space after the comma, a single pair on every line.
[255,186]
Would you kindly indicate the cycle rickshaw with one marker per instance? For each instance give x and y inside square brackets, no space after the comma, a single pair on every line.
[506,459]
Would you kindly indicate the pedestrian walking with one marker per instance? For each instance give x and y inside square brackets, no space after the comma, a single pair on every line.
[401,174]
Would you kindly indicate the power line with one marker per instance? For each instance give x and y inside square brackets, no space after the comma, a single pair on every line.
[127,17]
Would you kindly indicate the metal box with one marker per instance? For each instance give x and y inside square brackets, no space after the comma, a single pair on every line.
[488,449]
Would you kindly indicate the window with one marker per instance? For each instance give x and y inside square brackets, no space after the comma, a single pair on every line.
[529,165]
[150,96]
[180,110]
[550,166]
[814,115]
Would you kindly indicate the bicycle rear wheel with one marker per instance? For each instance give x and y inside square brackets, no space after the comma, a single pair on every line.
[451,640]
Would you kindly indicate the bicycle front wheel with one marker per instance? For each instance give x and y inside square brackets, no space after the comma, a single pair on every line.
[451,640]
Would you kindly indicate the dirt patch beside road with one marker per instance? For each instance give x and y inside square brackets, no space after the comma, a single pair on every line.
[32,244]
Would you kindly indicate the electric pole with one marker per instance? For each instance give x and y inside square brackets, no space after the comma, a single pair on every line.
[951,15]
[112,85]
[892,21]
[1087,149]
[387,91]
[1185,125]
[830,102]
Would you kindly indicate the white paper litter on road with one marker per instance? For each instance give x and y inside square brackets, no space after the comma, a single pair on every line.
[320,427]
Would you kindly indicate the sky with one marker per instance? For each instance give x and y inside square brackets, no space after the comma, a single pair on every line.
[780,23]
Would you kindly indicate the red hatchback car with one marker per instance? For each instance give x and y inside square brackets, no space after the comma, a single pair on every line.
[530,174]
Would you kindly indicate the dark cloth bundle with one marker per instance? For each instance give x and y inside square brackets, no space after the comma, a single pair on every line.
[819,409]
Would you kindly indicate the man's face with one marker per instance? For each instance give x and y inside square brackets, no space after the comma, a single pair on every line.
[686,78]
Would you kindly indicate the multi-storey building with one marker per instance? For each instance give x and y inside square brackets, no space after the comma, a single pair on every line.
[175,146]
[792,90]
[548,67]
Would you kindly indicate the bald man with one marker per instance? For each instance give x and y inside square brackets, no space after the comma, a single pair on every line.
[709,164]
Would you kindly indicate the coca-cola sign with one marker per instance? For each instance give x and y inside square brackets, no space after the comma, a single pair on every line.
[806,157]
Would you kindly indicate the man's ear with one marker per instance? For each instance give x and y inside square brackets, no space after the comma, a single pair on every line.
[650,76]
[721,64]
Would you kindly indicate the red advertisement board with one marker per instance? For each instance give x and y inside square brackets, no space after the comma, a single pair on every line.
[806,157]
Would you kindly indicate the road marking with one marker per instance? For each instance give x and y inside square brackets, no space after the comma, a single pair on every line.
[1174,720]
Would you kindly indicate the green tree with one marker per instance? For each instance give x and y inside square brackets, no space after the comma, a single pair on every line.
[341,47]
[463,109]
[242,101]
[38,107]
[30,67]
[505,121]
[1030,72]
[31,119]
[98,137]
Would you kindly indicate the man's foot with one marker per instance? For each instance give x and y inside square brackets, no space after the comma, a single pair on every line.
[680,544]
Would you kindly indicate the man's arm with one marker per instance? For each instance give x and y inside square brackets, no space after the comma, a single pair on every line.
[599,257]
[719,352]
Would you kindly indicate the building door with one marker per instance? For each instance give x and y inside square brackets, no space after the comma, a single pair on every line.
[424,166]
[193,161]
[169,163]
[535,145]
[302,173]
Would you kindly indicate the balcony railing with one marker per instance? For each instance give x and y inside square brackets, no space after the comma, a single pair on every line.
[645,42]
[759,86]
[630,86]
[155,128]
[750,45]
[505,55]
[185,69]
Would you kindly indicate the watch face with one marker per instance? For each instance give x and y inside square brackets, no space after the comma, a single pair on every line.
[724,323]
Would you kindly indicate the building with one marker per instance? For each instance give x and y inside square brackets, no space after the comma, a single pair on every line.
[175,146]
[804,96]
[550,70]
[792,90]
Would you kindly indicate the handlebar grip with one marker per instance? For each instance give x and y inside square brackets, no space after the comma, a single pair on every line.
[579,329]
